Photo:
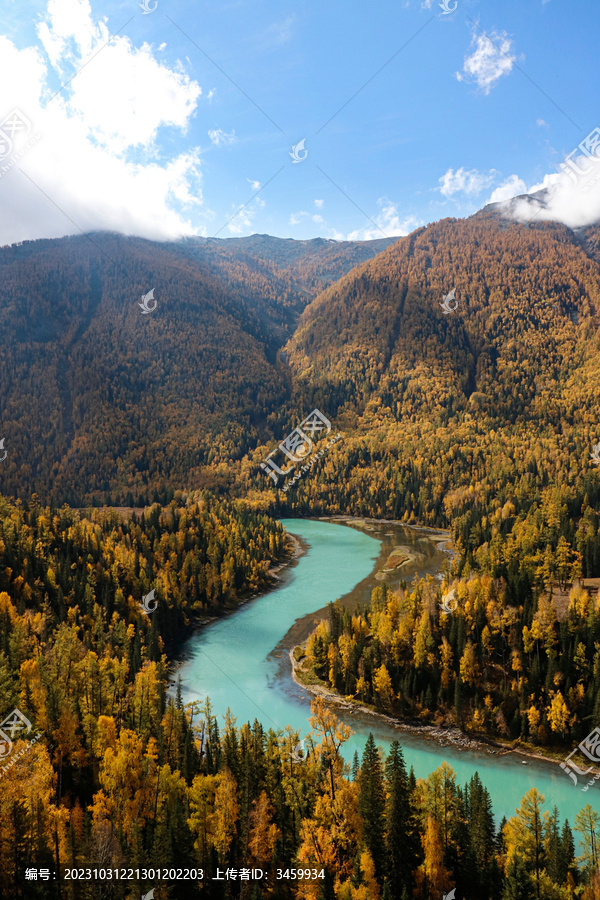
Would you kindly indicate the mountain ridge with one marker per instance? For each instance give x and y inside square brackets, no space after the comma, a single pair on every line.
[242,346]
[88,384]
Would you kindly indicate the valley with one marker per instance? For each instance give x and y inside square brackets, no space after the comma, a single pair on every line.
[144,549]
[299,451]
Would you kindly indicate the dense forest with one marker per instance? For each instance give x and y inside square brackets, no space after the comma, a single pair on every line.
[482,421]
[124,777]
[527,672]
[245,801]
[443,416]
[122,406]
[199,555]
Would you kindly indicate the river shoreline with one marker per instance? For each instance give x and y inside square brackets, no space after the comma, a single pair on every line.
[439,734]
[441,537]
[442,533]
[299,548]
[179,655]
[442,735]
[241,664]
[175,651]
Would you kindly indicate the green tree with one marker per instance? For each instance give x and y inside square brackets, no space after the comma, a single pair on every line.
[587,824]
[371,801]
[517,885]
[401,834]
[524,835]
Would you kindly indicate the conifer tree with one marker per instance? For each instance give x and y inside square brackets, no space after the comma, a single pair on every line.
[401,835]
[517,885]
[371,801]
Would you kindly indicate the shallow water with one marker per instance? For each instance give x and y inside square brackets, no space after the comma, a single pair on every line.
[241,661]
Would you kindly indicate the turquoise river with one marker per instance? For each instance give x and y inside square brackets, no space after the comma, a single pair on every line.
[241,661]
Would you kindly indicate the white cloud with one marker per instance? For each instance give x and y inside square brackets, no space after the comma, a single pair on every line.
[509,188]
[241,221]
[296,218]
[466,181]
[221,138]
[319,204]
[279,32]
[386,224]
[572,199]
[97,161]
[542,123]
[256,186]
[123,95]
[489,61]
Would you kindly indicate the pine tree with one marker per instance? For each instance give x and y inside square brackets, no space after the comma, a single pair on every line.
[482,836]
[401,835]
[457,702]
[524,835]
[567,852]
[517,885]
[553,848]
[371,802]
[500,844]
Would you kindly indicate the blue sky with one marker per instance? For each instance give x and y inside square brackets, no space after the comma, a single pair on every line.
[192,109]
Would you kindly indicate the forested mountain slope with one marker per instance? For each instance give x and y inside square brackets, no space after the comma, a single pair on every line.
[442,412]
[481,419]
[530,293]
[101,401]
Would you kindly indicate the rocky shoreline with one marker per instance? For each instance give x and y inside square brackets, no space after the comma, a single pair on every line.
[274,571]
[444,736]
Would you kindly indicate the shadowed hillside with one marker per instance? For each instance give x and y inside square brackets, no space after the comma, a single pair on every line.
[99,401]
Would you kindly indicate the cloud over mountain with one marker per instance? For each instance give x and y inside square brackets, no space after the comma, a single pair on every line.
[97,161]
